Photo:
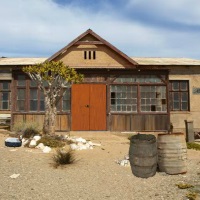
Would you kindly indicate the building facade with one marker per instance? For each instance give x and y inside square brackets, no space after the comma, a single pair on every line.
[119,93]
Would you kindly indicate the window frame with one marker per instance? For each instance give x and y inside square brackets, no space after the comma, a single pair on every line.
[27,104]
[2,90]
[179,91]
[163,82]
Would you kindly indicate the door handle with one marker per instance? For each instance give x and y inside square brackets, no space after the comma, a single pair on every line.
[87,106]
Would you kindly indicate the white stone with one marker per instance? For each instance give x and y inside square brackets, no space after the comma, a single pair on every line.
[32,144]
[40,146]
[73,146]
[37,137]
[14,175]
[81,140]
[90,143]
[46,149]
[79,143]
[24,141]
[96,144]
[82,147]
[126,157]
[87,145]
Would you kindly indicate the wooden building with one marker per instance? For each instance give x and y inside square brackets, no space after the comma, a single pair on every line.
[119,93]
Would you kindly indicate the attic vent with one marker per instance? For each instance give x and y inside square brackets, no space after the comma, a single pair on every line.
[89,55]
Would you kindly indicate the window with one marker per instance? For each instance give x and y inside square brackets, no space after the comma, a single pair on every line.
[30,98]
[4,95]
[179,95]
[123,98]
[139,93]
[89,55]
[153,99]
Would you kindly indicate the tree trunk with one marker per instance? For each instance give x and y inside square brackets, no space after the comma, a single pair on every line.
[50,116]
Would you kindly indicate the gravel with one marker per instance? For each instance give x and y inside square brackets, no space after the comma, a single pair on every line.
[94,176]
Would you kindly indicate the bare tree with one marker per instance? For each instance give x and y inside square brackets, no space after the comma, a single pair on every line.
[52,78]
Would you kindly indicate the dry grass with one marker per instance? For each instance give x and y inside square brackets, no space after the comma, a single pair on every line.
[63,157]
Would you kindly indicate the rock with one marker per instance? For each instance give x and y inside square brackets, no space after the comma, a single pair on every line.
[14,176]
[94,144]
[24,141]
[81,140]
[123,162]
[37,137]
[88,146]
[32,144]
[46,149]
[40,146]
[73,146]
[126,157]
[82,147]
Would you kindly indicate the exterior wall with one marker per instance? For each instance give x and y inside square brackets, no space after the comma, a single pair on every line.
[177,118]
[105,57]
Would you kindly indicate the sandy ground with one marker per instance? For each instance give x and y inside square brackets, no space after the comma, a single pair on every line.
[95,176]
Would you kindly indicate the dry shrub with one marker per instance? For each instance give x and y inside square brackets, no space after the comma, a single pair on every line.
[51,141]
[192,145]
[191,195]
[63,157]
[27,129]
[184,185]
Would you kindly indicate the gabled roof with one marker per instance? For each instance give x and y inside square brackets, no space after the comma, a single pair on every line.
[101,41]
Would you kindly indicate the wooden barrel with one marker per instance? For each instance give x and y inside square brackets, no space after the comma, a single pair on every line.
[143,155]
[172,153]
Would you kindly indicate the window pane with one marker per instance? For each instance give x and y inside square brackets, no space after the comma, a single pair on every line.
[5,105]
[66,105]
[33,105]
[183,85]
[5,85]
[42,106]
[20,94]
[66,101]
[33,83]
[184,96]
[21,80]
[176,106]
[33,94]
[20,105]
[175,85]
[33,99]
[5,96]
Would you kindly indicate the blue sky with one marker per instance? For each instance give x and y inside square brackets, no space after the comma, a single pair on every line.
[140,28]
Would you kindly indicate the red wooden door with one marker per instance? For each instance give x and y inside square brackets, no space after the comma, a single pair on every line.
[88,107]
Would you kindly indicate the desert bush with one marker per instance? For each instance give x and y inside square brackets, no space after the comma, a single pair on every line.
[51,141]
[184,185]
[27,130]
[63,157]
[191,195]
[192,145]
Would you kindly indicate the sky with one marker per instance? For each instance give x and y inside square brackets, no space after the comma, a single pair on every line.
[139,28]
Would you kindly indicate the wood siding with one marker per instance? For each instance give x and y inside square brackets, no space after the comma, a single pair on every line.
[129,122]
[62,121]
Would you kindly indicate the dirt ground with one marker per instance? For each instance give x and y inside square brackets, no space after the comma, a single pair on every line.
[94,176]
